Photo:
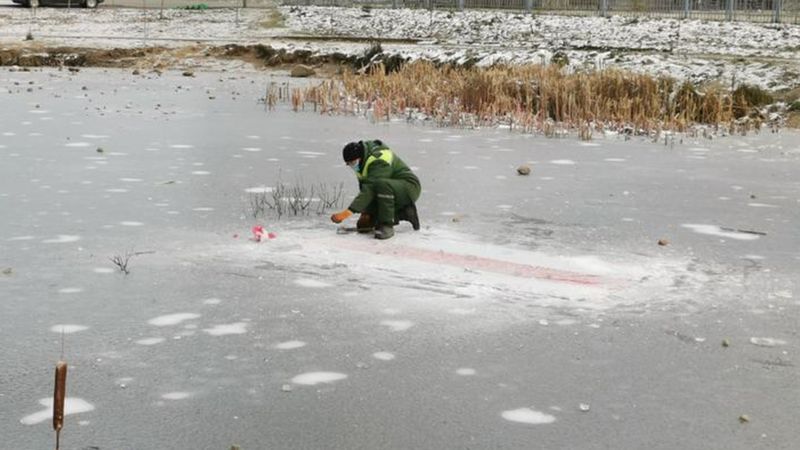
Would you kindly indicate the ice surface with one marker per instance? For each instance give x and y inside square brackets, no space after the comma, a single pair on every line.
[527,415]
[172,319]
[72,405]
[314,378]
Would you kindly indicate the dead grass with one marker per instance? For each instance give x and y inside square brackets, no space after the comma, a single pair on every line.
[274,20]
[528,98]
[793,120]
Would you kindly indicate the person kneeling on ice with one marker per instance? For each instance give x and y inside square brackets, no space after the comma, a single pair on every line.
[387,189]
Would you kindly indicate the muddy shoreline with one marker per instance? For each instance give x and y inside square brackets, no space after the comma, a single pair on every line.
[259,55]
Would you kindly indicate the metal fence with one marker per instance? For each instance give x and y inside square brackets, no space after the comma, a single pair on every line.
[777,11]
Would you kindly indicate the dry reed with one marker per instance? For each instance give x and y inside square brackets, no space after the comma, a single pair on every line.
[59,395]
[531,98]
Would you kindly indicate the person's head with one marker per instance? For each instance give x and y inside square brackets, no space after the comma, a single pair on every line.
[352,154]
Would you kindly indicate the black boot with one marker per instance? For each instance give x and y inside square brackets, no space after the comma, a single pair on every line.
[384,231]
[409,213]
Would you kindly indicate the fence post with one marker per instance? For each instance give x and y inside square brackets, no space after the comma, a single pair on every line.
[460,5]
[729,10]
[528,6]
[394,4]
[603,8]
[685,9]
[777,6]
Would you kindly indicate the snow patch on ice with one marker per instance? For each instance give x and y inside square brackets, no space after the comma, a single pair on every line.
[314,378]
[70,290]
[68,328]
[766,341]
[289,345]
[212,301]
[465,371]
[172,319]
[714,230]
[176,395]
[309,283]
[398,325]
[259,190]
[563,162]
[150,341]
[383,356]
[226,329]
[103,270]
[62,239]
[181,146]
[527,415]
[131,223]
[21,238]
[78,144]
[72,405]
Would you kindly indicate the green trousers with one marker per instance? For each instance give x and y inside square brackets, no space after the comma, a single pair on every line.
[387,197]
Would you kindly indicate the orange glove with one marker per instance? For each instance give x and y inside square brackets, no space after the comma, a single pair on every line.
[340,216]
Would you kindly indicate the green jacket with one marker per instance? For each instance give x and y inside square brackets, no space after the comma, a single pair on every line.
[380,162]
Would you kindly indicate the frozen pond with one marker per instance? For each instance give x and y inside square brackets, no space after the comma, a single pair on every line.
[529,312]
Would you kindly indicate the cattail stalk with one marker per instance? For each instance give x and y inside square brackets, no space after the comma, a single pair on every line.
[59,395]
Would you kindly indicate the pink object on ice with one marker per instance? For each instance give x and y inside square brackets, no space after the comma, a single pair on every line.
[258,231]
[271,235]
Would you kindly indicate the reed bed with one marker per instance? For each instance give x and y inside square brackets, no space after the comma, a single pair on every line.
[531,98]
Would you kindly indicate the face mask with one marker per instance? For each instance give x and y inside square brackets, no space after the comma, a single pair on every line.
[356,167]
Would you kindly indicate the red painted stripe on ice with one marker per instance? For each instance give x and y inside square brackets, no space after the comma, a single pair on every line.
[481,263]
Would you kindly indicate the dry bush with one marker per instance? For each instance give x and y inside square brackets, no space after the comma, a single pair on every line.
[526,98]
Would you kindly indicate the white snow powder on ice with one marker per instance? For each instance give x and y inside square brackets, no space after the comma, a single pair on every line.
[527,415]
[68,328]
[70,290]
[383,356]
[176,395]
[289,345]
[314,378]
[226,329]
[62,239]
[714,230]
[150,341]
[309,283]
[172,319]
[398,325]
[72,405]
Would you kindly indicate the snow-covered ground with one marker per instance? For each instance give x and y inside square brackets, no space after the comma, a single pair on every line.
[728,52]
